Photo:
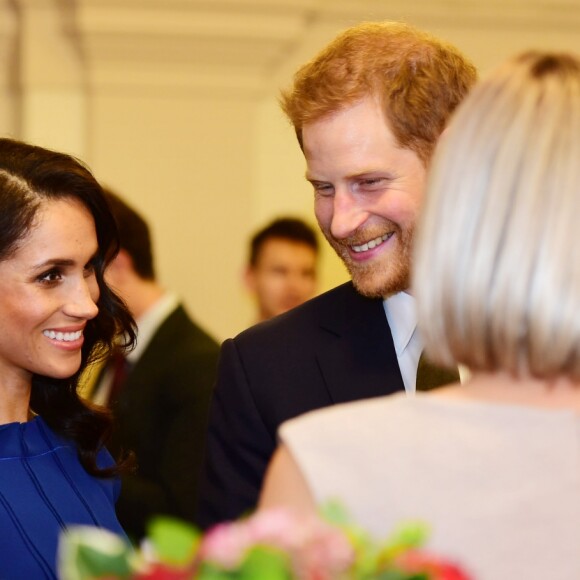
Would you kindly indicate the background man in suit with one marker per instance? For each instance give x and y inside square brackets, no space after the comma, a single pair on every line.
[368,111]
[160,405]
[281,271]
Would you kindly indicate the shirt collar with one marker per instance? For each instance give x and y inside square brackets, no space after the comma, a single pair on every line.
[402,317]
[150,321]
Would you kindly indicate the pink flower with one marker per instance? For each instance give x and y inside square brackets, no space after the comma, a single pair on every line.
[226,544]
[275,527]
[316,549]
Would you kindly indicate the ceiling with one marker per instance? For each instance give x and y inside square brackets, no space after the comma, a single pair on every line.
[252,45]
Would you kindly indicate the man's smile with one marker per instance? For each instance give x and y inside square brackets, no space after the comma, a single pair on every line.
[371,243]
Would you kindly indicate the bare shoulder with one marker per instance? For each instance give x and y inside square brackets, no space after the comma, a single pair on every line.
[285,485]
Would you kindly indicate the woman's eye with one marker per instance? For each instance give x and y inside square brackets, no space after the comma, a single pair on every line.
[50,277]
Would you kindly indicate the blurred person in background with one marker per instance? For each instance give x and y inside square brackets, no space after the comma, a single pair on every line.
[160,392]
[281,271]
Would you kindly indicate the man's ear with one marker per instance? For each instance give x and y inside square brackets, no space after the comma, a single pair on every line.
[249,277]
[119,270]
[441,137]
[443,134]
[122,261]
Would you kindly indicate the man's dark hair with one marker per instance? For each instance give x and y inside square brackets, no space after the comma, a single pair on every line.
[291,229]
[134,235]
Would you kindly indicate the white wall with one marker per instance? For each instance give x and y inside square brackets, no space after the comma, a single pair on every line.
[185,160]
[207,156]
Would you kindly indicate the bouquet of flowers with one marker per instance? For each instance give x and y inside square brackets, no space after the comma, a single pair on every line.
[269,545]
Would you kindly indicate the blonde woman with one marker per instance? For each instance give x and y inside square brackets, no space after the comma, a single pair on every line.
[493,465]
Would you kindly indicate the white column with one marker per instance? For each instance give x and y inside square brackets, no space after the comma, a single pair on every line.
[9,93]
[51,75]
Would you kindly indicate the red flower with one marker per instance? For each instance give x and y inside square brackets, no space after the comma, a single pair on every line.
[159,571]
[416,562]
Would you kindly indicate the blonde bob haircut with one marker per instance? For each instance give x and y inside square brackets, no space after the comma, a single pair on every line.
[497,263]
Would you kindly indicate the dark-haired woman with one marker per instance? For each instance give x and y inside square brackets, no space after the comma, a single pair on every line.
[56,313]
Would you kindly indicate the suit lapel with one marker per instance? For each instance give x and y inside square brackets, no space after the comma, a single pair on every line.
[155,354]
[357,357]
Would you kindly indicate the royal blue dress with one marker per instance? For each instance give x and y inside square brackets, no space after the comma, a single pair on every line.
[44,489]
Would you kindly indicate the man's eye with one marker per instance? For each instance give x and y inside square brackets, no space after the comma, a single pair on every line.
[323,189]
[372,182]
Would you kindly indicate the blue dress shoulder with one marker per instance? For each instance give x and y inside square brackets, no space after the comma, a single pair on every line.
[43,490]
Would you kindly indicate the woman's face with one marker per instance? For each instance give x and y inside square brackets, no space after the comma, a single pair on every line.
[48,292]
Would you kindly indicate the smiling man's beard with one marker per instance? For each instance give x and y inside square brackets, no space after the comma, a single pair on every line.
[385,275]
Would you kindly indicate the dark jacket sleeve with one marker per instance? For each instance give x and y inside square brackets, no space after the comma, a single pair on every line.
[332,349]
[239,445]
[169,448]
[162,417]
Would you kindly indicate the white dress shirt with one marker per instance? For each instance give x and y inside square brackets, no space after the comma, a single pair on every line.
[402,317]
[150,321]
[147,326]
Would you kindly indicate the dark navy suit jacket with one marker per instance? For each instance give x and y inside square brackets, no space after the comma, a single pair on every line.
[161,416]
[333,349]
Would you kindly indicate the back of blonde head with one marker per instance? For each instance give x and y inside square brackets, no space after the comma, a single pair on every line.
[497,265]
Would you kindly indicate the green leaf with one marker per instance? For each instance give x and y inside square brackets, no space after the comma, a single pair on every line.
[412,534]
[398,575]
[264,563]
[334,513]
[95,564]
[174,541]
[211,571]
[86,552]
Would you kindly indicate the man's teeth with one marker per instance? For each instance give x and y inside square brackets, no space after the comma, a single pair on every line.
[371,244]
[66,336]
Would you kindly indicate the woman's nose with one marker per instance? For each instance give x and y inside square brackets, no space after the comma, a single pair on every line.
[83,301]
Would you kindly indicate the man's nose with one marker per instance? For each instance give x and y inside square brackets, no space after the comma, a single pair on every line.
[299,283]
[348,214]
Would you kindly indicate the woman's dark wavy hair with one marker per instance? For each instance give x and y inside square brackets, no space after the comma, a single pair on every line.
[29,176]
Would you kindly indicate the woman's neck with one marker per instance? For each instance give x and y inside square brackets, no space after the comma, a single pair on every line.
[14,400]
[501,387]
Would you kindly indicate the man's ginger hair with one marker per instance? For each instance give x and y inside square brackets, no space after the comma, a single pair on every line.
[418,79]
